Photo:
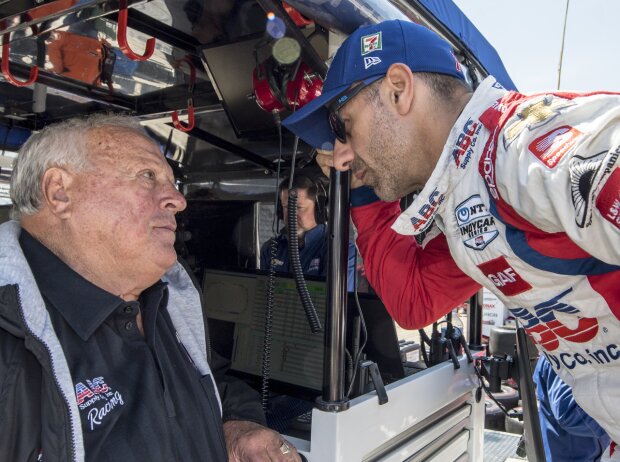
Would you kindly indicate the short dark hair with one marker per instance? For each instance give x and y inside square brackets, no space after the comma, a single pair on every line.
[443,86]
[301,182]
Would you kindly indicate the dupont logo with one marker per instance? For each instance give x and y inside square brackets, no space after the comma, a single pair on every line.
[504,277]
[608,200]
[371,43]
[552,146]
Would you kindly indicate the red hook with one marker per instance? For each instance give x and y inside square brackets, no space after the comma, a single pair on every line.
[34,70]
[121,37]
[190,103]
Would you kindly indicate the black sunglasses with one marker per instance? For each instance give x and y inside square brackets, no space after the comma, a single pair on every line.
[335,122]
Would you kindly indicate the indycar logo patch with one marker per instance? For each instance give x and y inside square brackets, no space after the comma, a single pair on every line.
[504,277]
[371,43]
[552,146]
[476,224]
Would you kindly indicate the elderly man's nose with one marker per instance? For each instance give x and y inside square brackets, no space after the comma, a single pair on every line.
[343,156]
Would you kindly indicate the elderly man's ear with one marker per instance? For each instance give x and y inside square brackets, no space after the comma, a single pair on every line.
[55,186]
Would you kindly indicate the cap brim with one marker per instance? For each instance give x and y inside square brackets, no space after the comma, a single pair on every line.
[311,122]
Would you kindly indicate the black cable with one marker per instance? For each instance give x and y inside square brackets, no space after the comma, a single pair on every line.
[300,282]
[266,359]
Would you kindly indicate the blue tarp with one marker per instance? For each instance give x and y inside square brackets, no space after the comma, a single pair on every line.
[453,18]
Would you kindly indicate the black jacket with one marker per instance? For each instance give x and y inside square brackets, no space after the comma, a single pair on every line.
[38,414]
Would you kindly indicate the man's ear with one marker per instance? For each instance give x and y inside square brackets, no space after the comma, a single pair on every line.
[55,186]
[400,85]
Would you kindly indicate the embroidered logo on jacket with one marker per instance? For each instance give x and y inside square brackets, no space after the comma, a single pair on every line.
[552,146]
[465,143]
[476,224]
[583,171]
[371,43]
[608,200]
[504,277]
[96,396]
[424,219]
[545,329]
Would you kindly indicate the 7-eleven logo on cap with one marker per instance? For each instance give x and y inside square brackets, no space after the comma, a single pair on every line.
[371,43]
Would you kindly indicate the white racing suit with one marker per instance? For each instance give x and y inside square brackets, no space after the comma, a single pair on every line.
[527,193]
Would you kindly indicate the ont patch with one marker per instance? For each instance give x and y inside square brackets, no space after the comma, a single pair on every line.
[476,224]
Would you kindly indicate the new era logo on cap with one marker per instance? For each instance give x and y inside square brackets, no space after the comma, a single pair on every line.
[371,61]
[371,43]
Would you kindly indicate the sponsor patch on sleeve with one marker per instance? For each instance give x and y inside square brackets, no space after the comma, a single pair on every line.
[608,200]
[504,277]
[553,145]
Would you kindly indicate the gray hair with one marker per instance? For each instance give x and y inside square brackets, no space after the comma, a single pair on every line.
[57,145]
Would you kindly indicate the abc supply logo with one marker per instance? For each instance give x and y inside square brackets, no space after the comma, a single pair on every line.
[476,224]
[545,329]
[504,277]
[553,145]
[465,143]
[371,43]
[96,391]
[423,220]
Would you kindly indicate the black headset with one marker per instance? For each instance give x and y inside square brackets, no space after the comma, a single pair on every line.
[315,189]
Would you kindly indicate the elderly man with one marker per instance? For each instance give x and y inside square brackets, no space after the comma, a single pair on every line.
[103,353]
[520,194]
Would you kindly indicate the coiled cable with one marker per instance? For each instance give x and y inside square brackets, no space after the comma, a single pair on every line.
[300,282]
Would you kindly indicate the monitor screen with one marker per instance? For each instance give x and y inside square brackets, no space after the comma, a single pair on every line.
[296,353]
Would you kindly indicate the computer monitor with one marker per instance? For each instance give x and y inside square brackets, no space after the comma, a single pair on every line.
[296,353]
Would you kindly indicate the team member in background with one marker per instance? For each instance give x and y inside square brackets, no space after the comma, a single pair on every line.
[103,355]
[520,194]
[311,232]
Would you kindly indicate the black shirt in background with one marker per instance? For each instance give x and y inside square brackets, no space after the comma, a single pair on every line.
[140,398]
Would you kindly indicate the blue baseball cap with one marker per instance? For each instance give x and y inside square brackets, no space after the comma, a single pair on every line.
[365,56]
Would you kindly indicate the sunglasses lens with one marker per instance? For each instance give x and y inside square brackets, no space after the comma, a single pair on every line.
[337,126]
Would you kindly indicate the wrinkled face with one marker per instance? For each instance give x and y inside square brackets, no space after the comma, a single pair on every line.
[126,204]
[305,211]
[379,149]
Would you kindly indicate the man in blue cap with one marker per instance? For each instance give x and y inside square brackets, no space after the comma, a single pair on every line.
[519,194]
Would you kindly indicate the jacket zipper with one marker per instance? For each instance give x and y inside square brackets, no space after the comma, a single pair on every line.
[49,354]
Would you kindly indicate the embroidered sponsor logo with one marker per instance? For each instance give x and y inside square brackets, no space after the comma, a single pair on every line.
[487,169]
[465,143]
[371,61]
[371,43]
[546,330]
[504,277]
[99,397]
[583,171]
[476,224]
[426,212]
[608,200]
[552,146]
[572,360]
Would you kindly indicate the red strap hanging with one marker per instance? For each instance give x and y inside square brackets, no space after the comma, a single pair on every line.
[121,37]
[34,70]
[190,102]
